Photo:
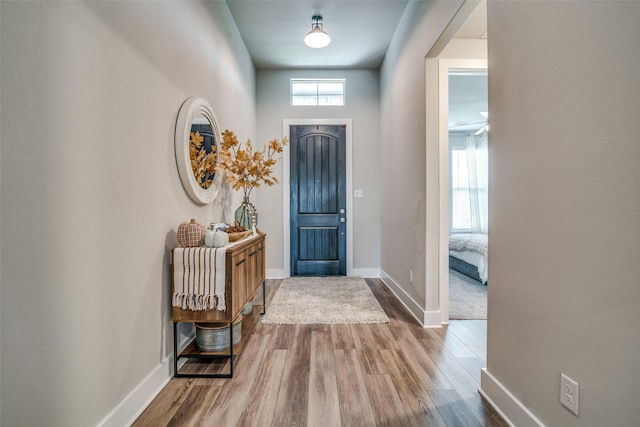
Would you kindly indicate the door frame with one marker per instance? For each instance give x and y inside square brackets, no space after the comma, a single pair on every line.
[437,254]
[286,175]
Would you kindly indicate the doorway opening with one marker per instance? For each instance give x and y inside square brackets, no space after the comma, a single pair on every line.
[468,193]
[439,174]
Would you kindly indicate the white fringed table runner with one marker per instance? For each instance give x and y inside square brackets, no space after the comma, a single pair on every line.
[199,278]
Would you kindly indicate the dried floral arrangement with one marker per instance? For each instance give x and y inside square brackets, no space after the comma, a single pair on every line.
[203,162]
[244,168]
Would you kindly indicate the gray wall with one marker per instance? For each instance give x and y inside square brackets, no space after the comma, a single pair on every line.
[362,106]
[564,292]
[402,146]
[91,194]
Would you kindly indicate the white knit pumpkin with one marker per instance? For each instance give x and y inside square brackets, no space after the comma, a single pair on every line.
[219,239]
[208,237]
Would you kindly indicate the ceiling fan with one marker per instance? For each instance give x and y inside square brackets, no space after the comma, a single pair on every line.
[465,124]
[486,123]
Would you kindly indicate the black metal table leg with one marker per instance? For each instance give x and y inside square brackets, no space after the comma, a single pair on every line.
[175,349]
[177,357]
[264,298]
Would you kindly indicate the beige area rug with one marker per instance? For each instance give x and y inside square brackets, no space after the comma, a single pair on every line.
[324,300]
[467,297]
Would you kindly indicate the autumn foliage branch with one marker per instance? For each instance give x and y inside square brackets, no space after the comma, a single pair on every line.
[244,168]
[203,163]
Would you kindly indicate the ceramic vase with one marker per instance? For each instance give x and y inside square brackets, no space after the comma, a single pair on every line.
[246,215]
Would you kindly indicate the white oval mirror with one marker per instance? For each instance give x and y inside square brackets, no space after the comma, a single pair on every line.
[196,142]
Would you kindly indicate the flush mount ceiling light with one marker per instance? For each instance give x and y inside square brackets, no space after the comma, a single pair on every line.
[317,38]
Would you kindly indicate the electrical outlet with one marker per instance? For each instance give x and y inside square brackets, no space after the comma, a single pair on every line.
[411,276]
[569,393]
[358,194]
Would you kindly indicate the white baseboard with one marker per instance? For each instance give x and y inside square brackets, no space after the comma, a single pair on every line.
[432,319]
[505,403]
[365,272]
[428,319]
[275,273]
[130,408]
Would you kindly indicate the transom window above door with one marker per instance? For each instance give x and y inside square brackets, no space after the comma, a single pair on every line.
[329,92]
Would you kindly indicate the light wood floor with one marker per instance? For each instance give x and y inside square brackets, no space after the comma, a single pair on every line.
[395,374]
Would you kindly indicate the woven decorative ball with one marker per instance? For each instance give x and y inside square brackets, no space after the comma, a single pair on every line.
[191,234]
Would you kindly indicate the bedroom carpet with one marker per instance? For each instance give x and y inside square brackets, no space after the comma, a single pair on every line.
[467,297]
[324,301]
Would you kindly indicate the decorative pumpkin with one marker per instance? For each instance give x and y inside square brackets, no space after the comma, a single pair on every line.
[208,237]
[219,239]
[190,234]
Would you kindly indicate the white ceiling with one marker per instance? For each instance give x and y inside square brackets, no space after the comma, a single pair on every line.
[468,93]
[360,31]
[467,98]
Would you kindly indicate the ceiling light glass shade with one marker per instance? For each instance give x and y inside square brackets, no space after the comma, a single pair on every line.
[317,38]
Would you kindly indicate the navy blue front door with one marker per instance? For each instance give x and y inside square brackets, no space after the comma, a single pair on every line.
[318,200]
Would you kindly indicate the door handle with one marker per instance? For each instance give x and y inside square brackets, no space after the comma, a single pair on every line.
[341,211]
[342,219]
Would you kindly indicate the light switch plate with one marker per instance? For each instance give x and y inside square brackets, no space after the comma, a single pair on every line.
[358,194]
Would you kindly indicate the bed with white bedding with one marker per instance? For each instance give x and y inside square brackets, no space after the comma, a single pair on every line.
[468,254]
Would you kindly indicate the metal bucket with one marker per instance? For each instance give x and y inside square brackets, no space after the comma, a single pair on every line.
[247,309]
[215,336]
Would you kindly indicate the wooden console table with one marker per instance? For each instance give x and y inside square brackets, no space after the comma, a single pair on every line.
[244,273]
